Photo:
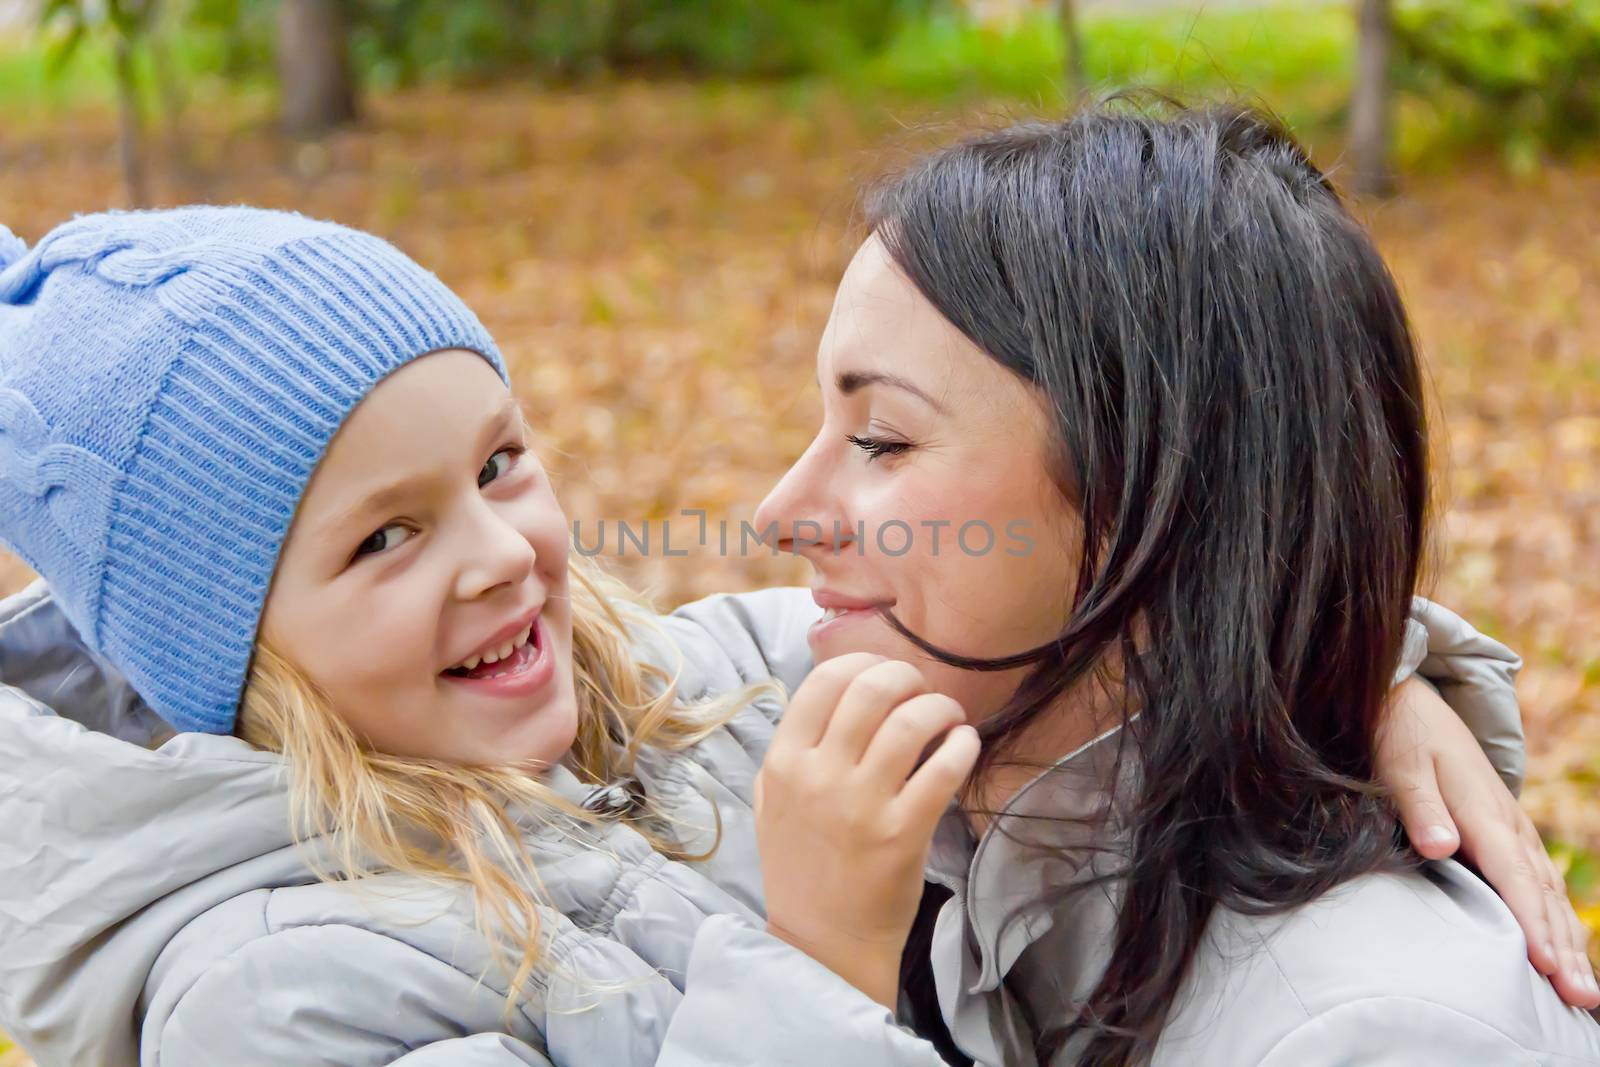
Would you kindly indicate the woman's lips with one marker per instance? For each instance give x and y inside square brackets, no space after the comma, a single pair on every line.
[837,618]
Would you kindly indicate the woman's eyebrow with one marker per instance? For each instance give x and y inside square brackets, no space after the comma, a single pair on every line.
[852,380]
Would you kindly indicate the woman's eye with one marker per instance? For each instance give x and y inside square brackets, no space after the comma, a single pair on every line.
[380,541]
[877,446]
[493,469]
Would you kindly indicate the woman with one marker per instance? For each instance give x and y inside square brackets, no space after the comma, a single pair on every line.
[1162,347]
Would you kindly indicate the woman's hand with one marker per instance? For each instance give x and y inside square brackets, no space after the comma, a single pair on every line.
[1450,798]
[846,807]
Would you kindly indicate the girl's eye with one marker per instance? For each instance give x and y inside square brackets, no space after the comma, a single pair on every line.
[877,446]
[395,533]
[492,469]
[379,541]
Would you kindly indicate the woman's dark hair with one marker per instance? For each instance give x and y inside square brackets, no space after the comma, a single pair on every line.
[1238,415]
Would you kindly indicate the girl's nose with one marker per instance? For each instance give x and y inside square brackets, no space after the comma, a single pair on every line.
[495,554]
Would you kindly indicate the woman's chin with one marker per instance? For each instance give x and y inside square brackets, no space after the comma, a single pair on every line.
[856,631]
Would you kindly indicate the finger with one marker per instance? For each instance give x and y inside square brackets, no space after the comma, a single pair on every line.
[1506,866]
[1427,821]
[906,734]
[806,718]
[1575,981]
[866,703]
[1491,828]
[1581,938]
[1547,956]
[931,787]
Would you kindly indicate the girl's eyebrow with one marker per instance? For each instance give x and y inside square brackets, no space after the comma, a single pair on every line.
[390,496]
[851,381]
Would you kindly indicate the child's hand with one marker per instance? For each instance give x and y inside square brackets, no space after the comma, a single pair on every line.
[845,813]
[1441,780]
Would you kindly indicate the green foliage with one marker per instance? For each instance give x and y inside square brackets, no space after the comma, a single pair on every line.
[1297,61]
[1578,866]
[403,41]
[73,21]
[1521,74]
[240,33]
[757,37]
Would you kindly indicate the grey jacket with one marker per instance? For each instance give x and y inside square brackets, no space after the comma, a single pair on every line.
[154,910]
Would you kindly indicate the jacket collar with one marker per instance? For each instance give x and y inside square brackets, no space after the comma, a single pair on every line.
[1054,834]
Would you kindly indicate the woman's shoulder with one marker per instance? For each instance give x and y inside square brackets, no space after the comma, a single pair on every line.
[1420,967]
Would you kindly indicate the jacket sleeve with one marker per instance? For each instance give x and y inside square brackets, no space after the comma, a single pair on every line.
[736,639]
[749,999]
[339,996]
[1476,675]
[479,1050]
[1400,1032]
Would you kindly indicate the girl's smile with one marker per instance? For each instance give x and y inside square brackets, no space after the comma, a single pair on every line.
[526,666]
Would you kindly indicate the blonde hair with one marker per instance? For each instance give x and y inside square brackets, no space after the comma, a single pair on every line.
[452,823]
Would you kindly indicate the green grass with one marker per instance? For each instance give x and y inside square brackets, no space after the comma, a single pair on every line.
[1294,60]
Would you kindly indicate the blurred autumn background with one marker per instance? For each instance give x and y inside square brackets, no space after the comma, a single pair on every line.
[650,201]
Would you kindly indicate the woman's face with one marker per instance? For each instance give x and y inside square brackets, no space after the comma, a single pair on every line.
[927,489]
[428,539]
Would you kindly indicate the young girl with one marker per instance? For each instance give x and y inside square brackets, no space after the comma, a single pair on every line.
[317,747]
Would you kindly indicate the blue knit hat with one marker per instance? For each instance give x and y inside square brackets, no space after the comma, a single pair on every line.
[168,382]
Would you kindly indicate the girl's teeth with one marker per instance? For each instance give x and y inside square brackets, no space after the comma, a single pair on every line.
[495,655]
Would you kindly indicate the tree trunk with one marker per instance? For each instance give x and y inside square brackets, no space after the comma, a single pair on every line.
[1077,80]
[130,126]
[1371,121]
[314,72]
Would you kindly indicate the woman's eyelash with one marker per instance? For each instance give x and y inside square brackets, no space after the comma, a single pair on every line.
[877,446]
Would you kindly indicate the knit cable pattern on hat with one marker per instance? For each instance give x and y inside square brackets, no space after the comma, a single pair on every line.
[168,383]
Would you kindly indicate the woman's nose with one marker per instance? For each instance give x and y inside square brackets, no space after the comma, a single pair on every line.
[801,511]
[494,553]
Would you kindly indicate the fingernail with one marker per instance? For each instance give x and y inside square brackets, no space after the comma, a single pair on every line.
[1440,835]
[1549,951]
[1580,979]
[1594,987]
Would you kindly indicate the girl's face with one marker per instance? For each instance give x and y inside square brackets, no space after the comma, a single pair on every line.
[429,538]
[927,489]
